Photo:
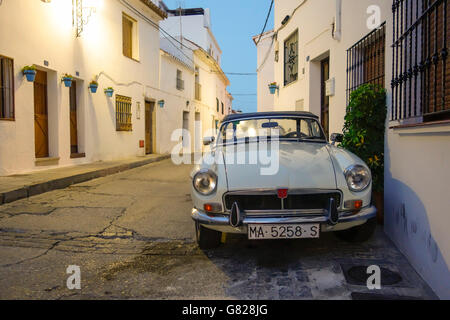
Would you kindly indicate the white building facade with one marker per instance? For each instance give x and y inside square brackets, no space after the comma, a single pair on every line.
[192,81]
[44,124]
[322,50]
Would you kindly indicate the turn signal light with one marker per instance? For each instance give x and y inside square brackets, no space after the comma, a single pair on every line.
[212,207]
[353,204]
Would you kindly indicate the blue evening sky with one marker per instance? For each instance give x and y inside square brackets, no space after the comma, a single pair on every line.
[234,22]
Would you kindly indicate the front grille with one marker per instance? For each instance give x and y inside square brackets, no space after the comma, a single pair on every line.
[267,202]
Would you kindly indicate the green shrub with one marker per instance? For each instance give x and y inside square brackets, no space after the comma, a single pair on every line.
[364,129]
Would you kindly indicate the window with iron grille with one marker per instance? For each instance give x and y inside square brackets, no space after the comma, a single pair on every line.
[366,61]
[291,58]
[6,88]
[420,81]
[123,113]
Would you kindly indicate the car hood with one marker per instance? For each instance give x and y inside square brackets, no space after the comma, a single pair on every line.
[301,165]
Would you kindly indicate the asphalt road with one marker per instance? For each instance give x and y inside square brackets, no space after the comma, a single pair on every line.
[132,237]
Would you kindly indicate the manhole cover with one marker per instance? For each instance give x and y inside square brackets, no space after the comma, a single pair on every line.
[359,276]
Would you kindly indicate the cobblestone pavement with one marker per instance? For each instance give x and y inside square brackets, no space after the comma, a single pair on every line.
[132,236]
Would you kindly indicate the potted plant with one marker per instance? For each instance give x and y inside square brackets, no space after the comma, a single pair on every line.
[93,86]
[29,72]
[109,92]
[364,130]
[273,87]
[67,79]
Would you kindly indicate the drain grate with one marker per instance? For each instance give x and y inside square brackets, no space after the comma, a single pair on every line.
[357,275]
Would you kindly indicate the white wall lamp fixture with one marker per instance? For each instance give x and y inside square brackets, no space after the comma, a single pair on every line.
[81,15]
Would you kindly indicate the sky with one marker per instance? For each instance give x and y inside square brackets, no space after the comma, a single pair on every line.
[234,23]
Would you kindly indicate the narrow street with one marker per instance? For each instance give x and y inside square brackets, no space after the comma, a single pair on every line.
[132,236]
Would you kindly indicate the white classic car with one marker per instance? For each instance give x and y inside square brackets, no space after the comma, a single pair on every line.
[302,185]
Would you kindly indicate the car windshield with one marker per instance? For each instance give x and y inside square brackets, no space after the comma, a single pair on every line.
[286,128]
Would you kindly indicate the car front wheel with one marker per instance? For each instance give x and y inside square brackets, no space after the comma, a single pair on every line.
[207,238]
[360,233]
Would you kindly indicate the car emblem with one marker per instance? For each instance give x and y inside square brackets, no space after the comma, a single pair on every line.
[282,193]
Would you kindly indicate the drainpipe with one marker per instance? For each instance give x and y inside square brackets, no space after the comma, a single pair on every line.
[338,21]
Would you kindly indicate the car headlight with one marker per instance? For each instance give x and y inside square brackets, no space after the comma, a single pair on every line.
[205,182]
[358,178]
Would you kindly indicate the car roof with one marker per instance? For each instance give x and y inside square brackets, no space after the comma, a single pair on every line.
[239,116]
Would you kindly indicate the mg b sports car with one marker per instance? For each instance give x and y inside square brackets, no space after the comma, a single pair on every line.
[313,187]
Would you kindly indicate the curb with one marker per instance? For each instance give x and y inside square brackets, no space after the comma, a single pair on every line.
[39,188]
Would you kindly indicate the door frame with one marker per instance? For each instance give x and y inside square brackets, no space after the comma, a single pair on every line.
[46,153]
[324,99]
[150,116]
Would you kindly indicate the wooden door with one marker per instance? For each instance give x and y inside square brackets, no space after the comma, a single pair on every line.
[149,109]
[73,119]
[325,100]
[41,115]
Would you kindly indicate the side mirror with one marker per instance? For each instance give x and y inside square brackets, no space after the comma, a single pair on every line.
[208,140]
[337,138]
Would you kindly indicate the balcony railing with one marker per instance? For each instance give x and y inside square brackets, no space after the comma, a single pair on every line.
[198,91]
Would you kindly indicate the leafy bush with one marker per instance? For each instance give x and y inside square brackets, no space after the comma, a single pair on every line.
[364,129]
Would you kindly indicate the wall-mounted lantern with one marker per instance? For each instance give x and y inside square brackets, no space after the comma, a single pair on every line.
[161,103]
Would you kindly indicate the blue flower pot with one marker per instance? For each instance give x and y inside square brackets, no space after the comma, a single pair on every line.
[30,75]
[67,82]
[273,89]
[109,93]
[93,88]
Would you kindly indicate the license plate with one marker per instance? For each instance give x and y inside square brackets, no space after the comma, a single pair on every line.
[283,231]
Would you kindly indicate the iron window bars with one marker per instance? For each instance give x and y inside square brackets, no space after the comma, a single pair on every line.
[291,58]
[123,113]
[366,61]
[420,68]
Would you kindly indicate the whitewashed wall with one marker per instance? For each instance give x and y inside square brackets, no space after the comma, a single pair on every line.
[417,159]
[32,32]
[266,72]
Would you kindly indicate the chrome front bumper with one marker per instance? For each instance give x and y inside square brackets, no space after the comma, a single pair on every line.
[221,222]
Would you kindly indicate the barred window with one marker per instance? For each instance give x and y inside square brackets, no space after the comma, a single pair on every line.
[123,113]
[420,81]
[291,58]
[6,88]
[366,61]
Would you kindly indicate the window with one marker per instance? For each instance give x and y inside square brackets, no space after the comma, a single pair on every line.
[129,37]
[291,58]
[6,88]
[366,61]
[223,108]
[420,80]
[180,81]
[198,87]
[123,113]
[217,102]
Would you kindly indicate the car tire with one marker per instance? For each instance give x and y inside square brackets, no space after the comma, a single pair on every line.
[207,238]
[360,233]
